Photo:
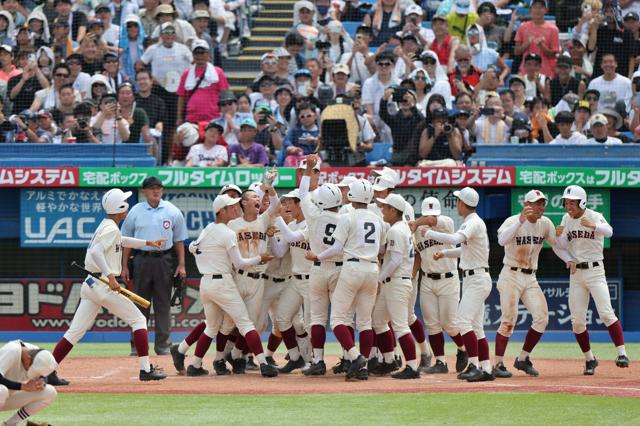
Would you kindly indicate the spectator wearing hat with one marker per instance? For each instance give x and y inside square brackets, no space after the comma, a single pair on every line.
[229,117]
[465,76]
[615,123]
[611,85]
[582,66]
[305,24]
[108,124]
[265,95]
[608,37]
[563,82]
[599,125]
[28,130]
[414,15]
[564,121]
[385,19]
[184,32]
[487,14]
[268,67]
[46,125]
[484,56]
[302,79]
[520,131]
[444,44]
[248,152]
[152,104]
[340,42]
[209,153]
[540,37]
[282,73]
[7,28]
[460,19]
[92,52]
[631,22]
[112,71]
[403,123]
[435,76]
[340,80]
[581,115]
[78,19]
[111,30]
[200,87]
[22,88]
[153,270]
[439,140]
[16,10]
[592,96]
[61,42]
[360,61]
[131,44]
[200,21]
[148,16]
[7,69]
[461,122]
[268,133]
[37,30]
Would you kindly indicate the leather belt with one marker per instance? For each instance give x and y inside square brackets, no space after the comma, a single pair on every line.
[275,280]
[216,276]
[254,275]
[439,276]
[301,277]
[153,253]
[587,265]
[470,272]
[320,263]
[355,259]
[402,278]
[524,271]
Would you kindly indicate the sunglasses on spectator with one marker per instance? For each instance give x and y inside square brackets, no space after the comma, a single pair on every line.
[110,61]
[473,33]
[305,116]
[270,61]
[164,15]
[168,32]
[61,75]
[226,103]
[417,77]
[429,61]
[132,25]
[99,85]
[385,64]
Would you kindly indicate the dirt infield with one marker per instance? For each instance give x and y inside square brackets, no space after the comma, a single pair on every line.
[120,375]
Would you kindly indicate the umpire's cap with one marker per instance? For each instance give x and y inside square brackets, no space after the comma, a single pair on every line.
[150,181]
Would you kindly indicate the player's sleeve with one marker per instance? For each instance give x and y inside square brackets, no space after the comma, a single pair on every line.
[278,246]
[342,229]
[469,230]
[239,261]
[96,252]
[134,243]
[395,241]
[508,230]
[287,234]
[454,239]
[409,213]
[550,235]
[393,261]
[602,227]
[332,251]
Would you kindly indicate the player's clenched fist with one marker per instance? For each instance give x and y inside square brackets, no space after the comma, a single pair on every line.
[272,230]
[438,255]
[34,385]
[413,225]
[311,256]
[587,223]
[155,243]
[559,230]
[525,214]
[265,257]
[113,284]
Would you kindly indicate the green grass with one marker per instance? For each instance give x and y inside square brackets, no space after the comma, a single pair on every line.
[389,409]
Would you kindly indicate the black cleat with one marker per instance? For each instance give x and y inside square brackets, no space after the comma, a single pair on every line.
[482,377]
[622,361]
[500,371]
[407,373]
[356,365]
[471,371]
[397,361]
[373,364]
[438,368]
[239,365]
[291,365]
[54,380]
[590,367]
[361,374]
[425,361]
[196,371]
[319,369]
[252,366]
[220,367]
[178,359]
[271,361]
[341,367]
[154,373]
[384,368]
[526,366]
[462,359]
[268,370]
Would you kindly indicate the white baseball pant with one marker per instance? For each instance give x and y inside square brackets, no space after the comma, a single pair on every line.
[411,304]
[391,305]
[470,314]
[221,299]
[32,402]
[514,286]
[322,284]
[292,298]
[357,286]
[584,282]
[251,291]
[439,304]
[270,297]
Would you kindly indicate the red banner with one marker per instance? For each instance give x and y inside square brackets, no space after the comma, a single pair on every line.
[49,305]
[38,176]
[431,176]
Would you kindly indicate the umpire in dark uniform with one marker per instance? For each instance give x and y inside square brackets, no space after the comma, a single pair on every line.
[154,270]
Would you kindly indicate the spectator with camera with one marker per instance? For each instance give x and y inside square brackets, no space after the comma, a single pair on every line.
[303,139]
[374,87]
[268,133]
[440,142]
[22,88]
[465,76]
[398,111]
[109,123]
[247,151]
[413,25]
[564,120]
[209,153]
[27,128]
[490,123]
[339,41]
[520,131]
[360,61]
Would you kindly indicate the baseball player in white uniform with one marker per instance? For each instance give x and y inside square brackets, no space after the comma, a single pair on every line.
[359,235]
[476,282]
[395,291]
[582,232]
[104,256]
[440,286]
[23,368]
[216,252]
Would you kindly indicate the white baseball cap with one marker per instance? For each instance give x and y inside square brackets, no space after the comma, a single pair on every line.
[430,207]
[114,201]
[257,188]
[199,43]
[533,196]
[414,9]
[230,187]
[223,201]
[394,200]
[383,182]
[42,365]
[600,119]
[468,195]
[347,180]
[292,194]
[387,171]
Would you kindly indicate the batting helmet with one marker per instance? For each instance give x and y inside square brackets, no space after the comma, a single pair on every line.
[114,201]
[361,191]
[328,196]
[575,192]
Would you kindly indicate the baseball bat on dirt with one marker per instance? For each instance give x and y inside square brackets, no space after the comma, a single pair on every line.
[126,293]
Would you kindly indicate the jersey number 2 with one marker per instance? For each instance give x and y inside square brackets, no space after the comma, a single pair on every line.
[371,229]
[328,232]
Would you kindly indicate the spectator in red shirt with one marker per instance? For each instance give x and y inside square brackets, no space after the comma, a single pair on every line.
[464,76]
[539,37]
[444,44]
[200,87]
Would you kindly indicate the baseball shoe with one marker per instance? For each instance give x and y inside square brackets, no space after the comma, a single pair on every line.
[196,371]
[341,367]
[526,366]
[251,365]
[471,371]
[425,361]
[32,423]
[154,373]
[54,380]
[384,368]
[178,359]
[482,377]
[319,369]
[397,361]
[220,367]
[361,374]
[500,371]
[373,364]
[229,358]
[268,370]
[407,373]
[622,361]
[163,351]
[239,365]
[291,365]
[356,365]
[462,359]
[590,367]
[271,361]
[438,368]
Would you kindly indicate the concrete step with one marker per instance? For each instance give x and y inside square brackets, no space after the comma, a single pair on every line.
[285,23]
[277,13]
[252,50]
[266,41]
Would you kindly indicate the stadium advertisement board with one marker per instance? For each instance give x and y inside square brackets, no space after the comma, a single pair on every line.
[589,177]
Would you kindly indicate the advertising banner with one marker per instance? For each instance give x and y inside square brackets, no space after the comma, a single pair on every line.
[590,177]
[38,176]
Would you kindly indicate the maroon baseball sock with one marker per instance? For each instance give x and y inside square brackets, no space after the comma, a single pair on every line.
[366,342]
[289,337]
[233,336]
[343,335]
[483,349]
[393,336]
[615,331]
[458,340]
[241,343]
[202,346]
[436,341]
[274,342]
[470,343]
[583,341]
[531,340]
[253,342]
[352,331]
[501,344]
[318,336]
[385,342]
[62,349]
[141,342]
[194,335]
[417,329]
[221,341]
[408,346]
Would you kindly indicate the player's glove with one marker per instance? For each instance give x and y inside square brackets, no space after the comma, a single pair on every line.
[269,177]
[179,290]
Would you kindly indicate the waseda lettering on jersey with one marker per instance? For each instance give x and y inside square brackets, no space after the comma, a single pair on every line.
[529,239]
[304,245]
[252,236]
[423,245]
[589,235]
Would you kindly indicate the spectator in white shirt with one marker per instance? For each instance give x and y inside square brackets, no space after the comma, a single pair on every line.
[209,153]
[599,128]
[360,60]
[564,121]
[611,85]
[373,90]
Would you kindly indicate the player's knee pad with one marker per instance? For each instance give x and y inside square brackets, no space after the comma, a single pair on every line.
[140,323]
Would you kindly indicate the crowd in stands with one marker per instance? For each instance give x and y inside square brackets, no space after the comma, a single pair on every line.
[431,79]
